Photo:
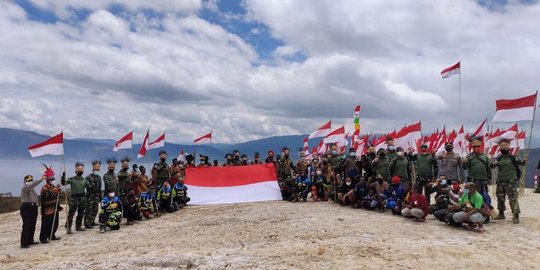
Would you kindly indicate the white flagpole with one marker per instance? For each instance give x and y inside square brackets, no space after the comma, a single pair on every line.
[459,88]
[526,154]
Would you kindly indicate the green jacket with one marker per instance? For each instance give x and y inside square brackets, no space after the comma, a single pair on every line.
[425,165]
[111,182]
[478,166]
[507,168]
[399,166]
[77,184]
[382,167]
[93,185]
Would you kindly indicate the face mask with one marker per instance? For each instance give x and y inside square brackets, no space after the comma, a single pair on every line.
[28,183]
[111,170]
[455,187]
[319,172]
[202,161]
[391,148]
[399,154]
[111,194]
[465,191]
[443,182]
[52,183]
[352,154]
[334,152]
[348,183]
[505,151]
[382,154]
[315,160]
[79,173]
[448,149]
[162,159]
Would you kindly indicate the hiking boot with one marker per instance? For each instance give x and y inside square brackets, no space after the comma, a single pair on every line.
[515,219]
[80,229]
[500,216]
[101,229]
[55,238]
[69,230]
[88,226]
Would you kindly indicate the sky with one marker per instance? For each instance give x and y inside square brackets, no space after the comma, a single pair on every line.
[253,69]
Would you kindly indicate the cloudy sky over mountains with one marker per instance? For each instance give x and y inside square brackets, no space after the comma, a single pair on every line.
[252,69]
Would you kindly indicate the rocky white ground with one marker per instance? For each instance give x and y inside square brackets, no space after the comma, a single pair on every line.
[282,235]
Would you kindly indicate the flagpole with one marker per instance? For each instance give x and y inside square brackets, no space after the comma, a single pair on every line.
[526,154]
[459,95]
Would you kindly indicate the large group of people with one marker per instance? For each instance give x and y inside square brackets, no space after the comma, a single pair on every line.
[127,195]
[452,188]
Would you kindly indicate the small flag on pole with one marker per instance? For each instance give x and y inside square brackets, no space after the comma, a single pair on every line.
[125,142]
[52,146]
[204,139]
[159,142]
[452,70]
[144,145]
[322,131]
[510,110]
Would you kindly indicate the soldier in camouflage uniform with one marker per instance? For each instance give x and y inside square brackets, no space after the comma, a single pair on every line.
[160,170]
[426,168]
[109,178]
[390,148]
[93,195]
[478,167]
[507,180]
[123,180]
[399,166]
[77,198]
[285,173]
[380,165]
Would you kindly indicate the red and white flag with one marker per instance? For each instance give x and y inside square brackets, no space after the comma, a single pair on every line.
[224,185]
[181,156]
[509,110]
[452,70]
[460,143]
[159,142]
[336,136]
[306,146]
[144,145]
[52,146]
[126,142]
[204,139]
[510,133]
[323,131]
[408,136]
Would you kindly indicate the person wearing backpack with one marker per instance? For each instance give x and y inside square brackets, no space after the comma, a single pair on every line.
[477,164]
[507,180]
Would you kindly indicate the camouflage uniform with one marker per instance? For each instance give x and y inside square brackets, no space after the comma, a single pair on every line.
[77,200]
[399,166]
[507,182]
[161,172]
[111,183]
[123,184]
[93,197]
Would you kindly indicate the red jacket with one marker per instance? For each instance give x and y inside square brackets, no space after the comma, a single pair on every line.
[418,200]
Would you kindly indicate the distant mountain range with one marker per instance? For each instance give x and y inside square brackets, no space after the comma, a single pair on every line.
[14,144]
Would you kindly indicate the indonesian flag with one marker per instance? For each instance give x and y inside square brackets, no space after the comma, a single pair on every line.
[235,184]
[52,146]
[361,145]
[460,142]
[441,140]
[380,143]
[323,131]
[144,145]
[480,131]
[306,147]
[159,142]
[509,110]
[510,133]
[493,140]
[408,136]
[125,142]
[204,139]
[520,142]
[336,136]
[322,148]
[452,70]
[181,156]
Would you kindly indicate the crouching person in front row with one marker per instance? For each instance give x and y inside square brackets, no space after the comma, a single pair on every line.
[131,208]
[471,204]
[165,197]
[110,213]
[147,205]
[180,198]
[418,206]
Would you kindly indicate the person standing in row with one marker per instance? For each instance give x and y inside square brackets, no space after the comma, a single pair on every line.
[29,210]
[93,195]
[109,178]
[77,198]
[50,208]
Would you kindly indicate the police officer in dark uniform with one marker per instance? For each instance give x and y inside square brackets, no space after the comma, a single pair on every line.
[29,210]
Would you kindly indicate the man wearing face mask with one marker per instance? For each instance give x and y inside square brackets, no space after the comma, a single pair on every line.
[318,183]
[454,193]
[285,173]
[77,198]
[244,160]
[426,168]
[399,166]
[50,208]
[236,158]
[478,165]
[302,163]
[123,181]
[109,178]
[381,165]
[507,180]
[256,160]
[110,214]
[353,166]
[93,195]
[367,160]
[160,170]
[391,148]
[450,163]
[228,161]
[29,210]
[203,161]
[270,157]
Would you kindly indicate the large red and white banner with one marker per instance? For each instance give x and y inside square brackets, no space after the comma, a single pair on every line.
[239,184]
[52,146]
